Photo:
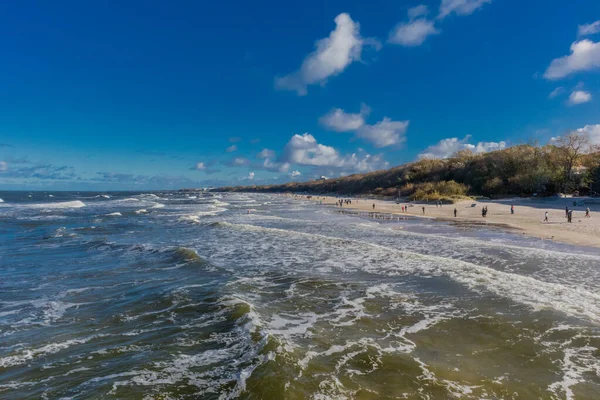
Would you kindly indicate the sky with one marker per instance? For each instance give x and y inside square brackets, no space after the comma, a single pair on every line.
[132,95]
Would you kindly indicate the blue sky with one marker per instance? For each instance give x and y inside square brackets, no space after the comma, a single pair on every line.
[154,95]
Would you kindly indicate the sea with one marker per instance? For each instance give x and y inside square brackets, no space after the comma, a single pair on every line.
[202,295]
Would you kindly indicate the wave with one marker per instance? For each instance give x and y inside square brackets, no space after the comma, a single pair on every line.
[142,211]
[51,348]
[1,201]
[219,203]
[113,214]
[158,205]
[537,294]
[185,254]
[58,205]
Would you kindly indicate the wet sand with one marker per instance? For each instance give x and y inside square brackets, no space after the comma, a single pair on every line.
[528,217]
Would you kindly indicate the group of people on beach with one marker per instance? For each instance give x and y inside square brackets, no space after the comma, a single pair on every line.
[569,214]
[341,202]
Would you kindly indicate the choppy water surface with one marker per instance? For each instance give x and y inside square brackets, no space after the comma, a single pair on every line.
[187,295]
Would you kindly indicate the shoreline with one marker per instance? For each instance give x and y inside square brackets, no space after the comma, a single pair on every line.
[528,217]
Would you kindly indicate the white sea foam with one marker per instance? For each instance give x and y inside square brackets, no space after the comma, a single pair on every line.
[29,354]
[57,205]
[158,205]
[141,211]
[1,201]
[114,214]
[524,289]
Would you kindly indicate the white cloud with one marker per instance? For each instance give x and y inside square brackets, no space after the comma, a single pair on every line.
[585,56]
[273,166]
[231,148]
[251,176]
[589,29]
[266,153]
[3,166]
[295,173]
[556,92]
[447,147]
[340,121]
[592,132]
[416,30]
[418,11]
[200,166]
[579,97]
[460,7]
[305,150]
[331,56]
[239,161]
[413,33]
[384,133]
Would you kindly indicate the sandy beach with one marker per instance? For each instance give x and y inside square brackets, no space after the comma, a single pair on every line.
[528,217]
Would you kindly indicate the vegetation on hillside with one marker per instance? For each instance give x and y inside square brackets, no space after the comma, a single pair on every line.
[569,165]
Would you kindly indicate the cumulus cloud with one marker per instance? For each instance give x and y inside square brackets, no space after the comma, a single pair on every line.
[3,166]
[447,147]
[274,166]
[305,150]
[559,90]
[231,148]
[579,97]
[460,7]
[416,30]
[589,29]
[295,173]
[585,56]
[266,153]
[200,166]
[331,56]
[250,176]
[340,121]
[384,133]
[592,132]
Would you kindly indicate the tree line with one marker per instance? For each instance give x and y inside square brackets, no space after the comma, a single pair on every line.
[569,164]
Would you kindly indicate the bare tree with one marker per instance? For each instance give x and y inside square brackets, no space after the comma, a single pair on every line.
[571,148]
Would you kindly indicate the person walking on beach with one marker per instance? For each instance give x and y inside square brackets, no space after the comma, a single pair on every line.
[373,206]
[455,213]
[567,212]
[570,216]
[546,217]
[587,213]
[423,210]
[512,209]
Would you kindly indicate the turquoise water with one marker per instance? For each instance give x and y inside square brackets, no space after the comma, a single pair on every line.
[178,295]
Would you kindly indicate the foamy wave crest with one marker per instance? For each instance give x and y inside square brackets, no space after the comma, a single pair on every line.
[114,214]
[158,205]
[526,290]
[30,354]
[1,201]
[142,211]
[220,203]
[65,204]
